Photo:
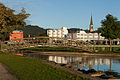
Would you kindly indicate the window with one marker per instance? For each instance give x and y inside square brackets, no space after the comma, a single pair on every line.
[59,34]
[85,34]
[81,37]
[49,34]
[81,34]
[18,35]
[95,34]
[54,34]
[54,31]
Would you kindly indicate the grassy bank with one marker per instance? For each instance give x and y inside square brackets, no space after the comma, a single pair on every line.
[55,49]
[100,50]
[35,69]
[106,50]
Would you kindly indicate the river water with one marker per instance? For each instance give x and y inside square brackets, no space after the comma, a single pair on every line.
[83,62]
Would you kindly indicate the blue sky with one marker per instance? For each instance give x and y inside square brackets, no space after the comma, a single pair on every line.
[69,13]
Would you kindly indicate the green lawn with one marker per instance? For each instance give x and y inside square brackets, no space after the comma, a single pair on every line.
[106,50]
[35,69]
[115,49]
[47,48]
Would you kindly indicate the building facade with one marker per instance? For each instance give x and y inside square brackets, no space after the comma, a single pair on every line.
[58,32]
[79,35]
[84,36]
[16,35]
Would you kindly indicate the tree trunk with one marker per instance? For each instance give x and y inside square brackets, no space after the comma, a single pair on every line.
[110,45]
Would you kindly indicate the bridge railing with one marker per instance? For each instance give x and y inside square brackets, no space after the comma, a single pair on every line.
[46,41]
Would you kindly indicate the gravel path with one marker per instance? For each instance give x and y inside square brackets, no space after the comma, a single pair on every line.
[5,74]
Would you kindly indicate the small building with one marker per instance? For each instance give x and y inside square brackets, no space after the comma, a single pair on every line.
[16,35]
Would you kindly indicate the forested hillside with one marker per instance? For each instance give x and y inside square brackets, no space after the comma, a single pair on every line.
[33,31]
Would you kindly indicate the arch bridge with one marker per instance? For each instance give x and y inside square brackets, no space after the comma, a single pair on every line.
[46,41]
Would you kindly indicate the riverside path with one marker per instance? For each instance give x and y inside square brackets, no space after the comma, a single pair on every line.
[5,74]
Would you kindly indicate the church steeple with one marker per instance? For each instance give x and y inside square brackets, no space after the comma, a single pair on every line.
[91,22]
[91,25]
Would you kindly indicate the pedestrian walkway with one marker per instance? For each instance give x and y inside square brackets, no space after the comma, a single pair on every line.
[5,74]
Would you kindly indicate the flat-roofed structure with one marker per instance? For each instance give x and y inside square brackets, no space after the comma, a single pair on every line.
[84,36]
[16,35]
[58,32]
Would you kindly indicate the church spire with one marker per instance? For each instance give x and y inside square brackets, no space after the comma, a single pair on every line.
[91,25]
[91,22]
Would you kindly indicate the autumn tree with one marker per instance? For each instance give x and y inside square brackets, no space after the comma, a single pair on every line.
[110,28]
[9,20]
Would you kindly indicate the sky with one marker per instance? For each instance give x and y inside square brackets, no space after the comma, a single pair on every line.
[66,13]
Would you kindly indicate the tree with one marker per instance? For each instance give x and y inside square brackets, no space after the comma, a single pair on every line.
[9,20]
[110,28]
[73,30]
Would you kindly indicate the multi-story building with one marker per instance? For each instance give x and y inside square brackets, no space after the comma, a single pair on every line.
[79,35]
[58,32]
[84,36]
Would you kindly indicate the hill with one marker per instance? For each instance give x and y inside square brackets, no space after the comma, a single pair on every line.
[33,31]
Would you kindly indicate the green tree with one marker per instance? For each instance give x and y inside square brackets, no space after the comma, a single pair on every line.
[110,28]
[9,20]
[73,30]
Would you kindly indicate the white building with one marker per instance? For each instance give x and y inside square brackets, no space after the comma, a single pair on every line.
[84,36]
[79,35]
[58,32]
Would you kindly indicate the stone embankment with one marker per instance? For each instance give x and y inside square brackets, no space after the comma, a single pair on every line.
[77,54]
[90,74]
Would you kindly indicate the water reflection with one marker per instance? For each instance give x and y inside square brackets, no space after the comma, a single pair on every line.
[87,63]
[83,62]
